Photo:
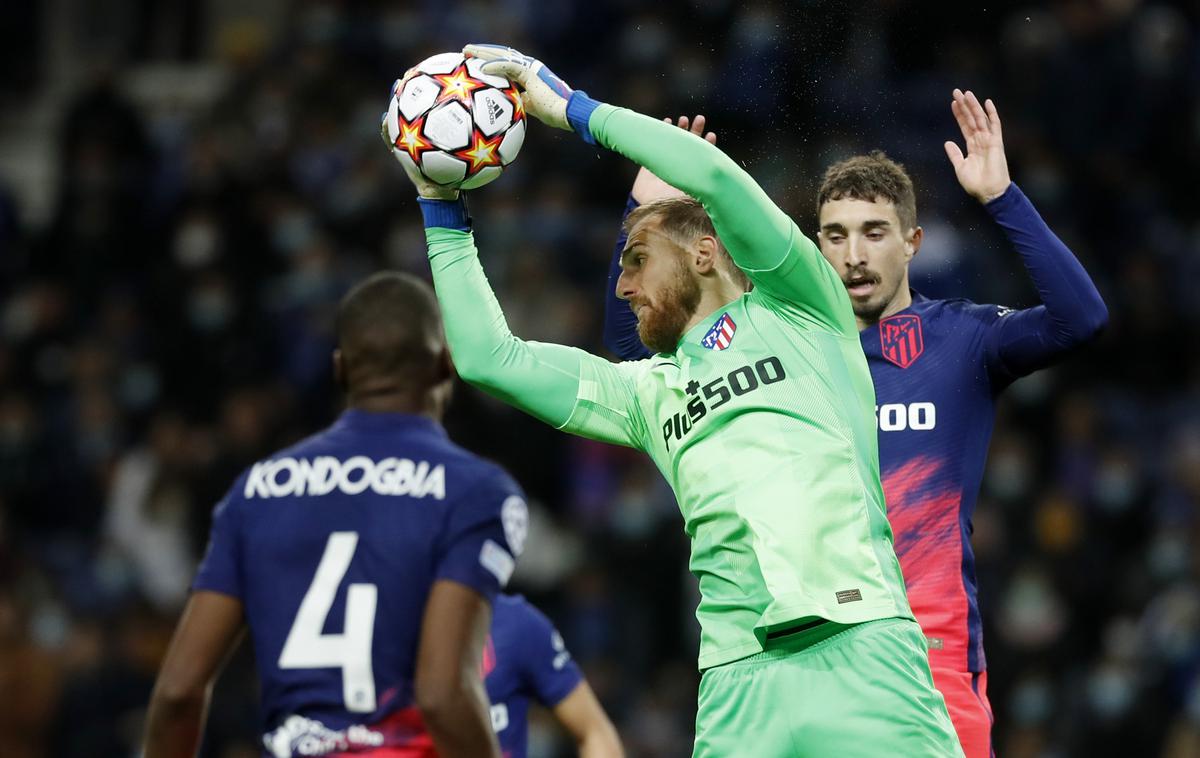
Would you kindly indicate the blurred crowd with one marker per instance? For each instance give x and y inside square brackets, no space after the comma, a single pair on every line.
[168,323]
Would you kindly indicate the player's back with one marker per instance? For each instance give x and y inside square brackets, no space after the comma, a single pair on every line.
[333,545]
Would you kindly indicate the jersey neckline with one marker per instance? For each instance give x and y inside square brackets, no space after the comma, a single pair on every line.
[359,420]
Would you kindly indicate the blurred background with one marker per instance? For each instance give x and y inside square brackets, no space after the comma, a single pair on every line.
[188,187]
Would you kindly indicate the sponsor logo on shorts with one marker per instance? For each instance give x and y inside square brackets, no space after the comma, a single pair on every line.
[848,596]
[300,736]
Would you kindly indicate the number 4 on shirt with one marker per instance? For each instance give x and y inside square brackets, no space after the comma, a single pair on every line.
[307,648]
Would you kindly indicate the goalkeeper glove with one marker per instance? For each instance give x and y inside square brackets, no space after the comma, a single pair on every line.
[425,188]
[545,96]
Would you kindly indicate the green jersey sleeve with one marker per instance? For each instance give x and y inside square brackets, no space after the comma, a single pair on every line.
[566,387]
[784,265]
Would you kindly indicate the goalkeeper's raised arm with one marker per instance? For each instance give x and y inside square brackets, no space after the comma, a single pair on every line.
[761,239]
[566,387]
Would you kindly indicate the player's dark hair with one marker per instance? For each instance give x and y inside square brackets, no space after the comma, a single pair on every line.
[871,178]
[684,219]
[389,330]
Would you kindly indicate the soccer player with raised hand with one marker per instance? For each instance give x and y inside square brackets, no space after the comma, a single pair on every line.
[937,366]
[757,407]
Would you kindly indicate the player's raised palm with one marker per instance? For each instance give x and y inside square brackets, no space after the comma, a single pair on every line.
[647,187]
[983,171]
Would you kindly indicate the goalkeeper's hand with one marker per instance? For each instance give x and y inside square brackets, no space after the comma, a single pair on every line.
[425,188]
[544,95]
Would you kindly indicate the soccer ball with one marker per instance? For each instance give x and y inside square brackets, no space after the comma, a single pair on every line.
[455,124]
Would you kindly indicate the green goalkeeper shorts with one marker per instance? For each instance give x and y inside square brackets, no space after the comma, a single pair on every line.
[864,691]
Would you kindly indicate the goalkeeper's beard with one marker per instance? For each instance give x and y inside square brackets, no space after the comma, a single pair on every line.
[661,323]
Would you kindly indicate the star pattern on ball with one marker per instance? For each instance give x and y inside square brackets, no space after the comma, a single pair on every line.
[458,85]
[411,141]
[483,152]
[518,104]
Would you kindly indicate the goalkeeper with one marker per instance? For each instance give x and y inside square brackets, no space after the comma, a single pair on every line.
[758,409]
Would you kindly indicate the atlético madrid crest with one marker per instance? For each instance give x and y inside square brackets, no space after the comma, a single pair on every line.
[900,339]
[720,335]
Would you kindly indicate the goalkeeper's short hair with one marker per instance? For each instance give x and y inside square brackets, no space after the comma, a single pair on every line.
[684,219]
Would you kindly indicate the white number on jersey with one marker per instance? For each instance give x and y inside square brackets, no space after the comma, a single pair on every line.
[307,648]
[896,417]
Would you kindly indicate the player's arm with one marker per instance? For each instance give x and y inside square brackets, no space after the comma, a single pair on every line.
[211,625]
[208,631]
[557,683]
[545,381]
[449,689]
[620,322]
[581,714]
[563,386]
[1072,311]
[760,238]
[476,552]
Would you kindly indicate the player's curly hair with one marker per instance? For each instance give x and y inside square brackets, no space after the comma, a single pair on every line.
[871,177]
[684,219]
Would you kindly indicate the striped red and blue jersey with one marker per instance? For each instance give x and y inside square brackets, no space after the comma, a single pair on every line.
[937,375]
[332,547]
[938,367]
[525,660]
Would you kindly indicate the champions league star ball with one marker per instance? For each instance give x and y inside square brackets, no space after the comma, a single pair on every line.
[455,124]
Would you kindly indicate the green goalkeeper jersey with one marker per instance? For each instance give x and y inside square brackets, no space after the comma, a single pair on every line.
[762,420]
